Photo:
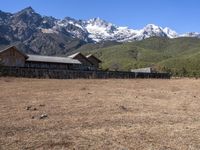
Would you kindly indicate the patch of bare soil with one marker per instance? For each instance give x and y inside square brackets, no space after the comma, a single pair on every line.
[99,114]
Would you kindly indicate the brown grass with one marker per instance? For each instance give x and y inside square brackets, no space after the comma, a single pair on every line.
[100,114]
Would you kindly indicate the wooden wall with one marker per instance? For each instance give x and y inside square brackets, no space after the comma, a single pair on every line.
[83,60]
[11,57]
[94,61]
[75,74]
[47,65]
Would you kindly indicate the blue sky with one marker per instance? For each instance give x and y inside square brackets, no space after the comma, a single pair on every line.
[180,15]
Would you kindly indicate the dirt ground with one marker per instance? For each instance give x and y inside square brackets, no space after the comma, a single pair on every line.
[99,114]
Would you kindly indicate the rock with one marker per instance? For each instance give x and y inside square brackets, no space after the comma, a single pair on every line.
[42,105]
[31,108]
[43,116]
[28,107]
[83,88]
[123,108]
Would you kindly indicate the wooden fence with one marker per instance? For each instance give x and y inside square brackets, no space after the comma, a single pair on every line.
[75,74]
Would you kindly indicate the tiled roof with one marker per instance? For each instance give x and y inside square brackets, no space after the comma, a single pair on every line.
[65,60]
[90,55]
[74,55]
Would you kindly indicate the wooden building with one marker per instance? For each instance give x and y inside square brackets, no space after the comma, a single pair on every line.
[79,56]
[144,70]
[94,60]
[88,65]
[51,62]
[13,57]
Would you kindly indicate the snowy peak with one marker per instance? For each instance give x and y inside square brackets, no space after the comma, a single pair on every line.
[99,29]
[153,30]
[171,33]
[191,34]
[99,23]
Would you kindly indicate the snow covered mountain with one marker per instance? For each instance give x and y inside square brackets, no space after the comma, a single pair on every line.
[191,34]
[101,30]
[44,33]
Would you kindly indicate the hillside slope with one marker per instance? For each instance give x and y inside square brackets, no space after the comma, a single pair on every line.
[179,56]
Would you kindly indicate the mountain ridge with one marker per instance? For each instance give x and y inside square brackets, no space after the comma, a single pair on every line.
[27,22]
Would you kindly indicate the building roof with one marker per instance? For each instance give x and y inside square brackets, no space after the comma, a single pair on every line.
[143,70]
[90,55]
[76,54]
[52,59]
[7,48]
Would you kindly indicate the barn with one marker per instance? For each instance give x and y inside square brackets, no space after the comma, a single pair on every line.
[90,62]
[51,62]
[11,56]
[94,60]
[144,70]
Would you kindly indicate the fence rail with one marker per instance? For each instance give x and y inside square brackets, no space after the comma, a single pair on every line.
[75,74]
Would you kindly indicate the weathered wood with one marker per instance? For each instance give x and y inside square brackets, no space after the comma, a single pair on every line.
[12,57]
[75,74]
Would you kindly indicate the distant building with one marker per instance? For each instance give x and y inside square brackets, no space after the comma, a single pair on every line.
[51,62]
[86,64]
[144,70]
[94,60]
[13,57]
[90,61]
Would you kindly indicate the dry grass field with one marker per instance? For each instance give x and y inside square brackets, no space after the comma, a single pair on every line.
[99,114]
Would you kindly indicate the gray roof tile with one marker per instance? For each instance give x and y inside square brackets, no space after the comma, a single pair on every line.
[74,55]
[64,60]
